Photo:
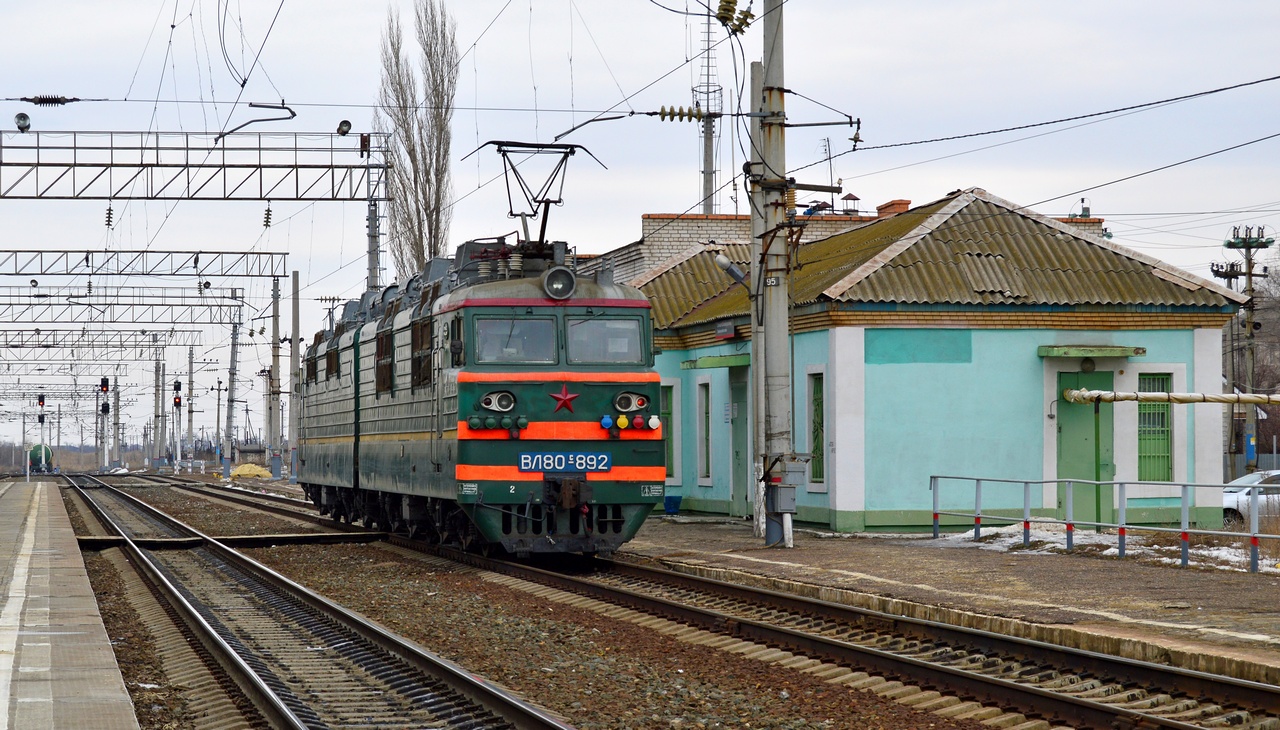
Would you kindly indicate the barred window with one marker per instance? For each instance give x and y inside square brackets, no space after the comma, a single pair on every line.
[817,429]
[1155,431]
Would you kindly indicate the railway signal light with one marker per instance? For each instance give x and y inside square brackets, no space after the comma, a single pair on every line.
[177,386]
[40,400]
[105,385]
[106,408]
[41,418]
[177,401]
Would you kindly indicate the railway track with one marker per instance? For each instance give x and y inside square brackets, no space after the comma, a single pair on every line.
[302,661]
[1038,680]
[943,665]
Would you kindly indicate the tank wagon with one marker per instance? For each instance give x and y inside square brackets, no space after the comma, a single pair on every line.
[40,459]
[496,399]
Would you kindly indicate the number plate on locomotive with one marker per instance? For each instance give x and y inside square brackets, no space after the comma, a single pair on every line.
[554,461]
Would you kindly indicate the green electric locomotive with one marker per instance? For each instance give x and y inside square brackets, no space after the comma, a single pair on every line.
[497,399]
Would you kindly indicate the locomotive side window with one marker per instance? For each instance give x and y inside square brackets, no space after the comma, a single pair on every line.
[384,373]
[422,335]
[507,340]
[331,363]
[458,359]
[605,341]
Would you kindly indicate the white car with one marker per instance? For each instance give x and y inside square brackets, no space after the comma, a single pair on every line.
[1236,499]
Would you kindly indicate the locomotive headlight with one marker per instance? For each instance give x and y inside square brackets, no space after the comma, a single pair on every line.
[654,421]
[500,401]
[628,402]
[559,282]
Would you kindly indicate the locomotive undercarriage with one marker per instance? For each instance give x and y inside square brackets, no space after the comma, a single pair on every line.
[560,524]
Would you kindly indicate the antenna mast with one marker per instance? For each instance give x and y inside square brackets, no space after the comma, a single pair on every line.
[708,96]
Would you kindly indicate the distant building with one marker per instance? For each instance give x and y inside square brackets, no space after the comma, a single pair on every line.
[937,340]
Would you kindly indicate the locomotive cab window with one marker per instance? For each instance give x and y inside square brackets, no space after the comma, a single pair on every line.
[509,340]
[604,341]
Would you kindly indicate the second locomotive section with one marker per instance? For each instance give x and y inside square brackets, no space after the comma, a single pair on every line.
[484,407]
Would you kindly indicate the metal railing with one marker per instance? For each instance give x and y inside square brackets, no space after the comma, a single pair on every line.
[1121,526]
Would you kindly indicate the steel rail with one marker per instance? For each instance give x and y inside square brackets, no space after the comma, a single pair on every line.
[1035,701]
[1190,682]
[478,690]
[255,689]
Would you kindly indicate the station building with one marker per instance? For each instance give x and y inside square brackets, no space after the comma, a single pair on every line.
[936,340]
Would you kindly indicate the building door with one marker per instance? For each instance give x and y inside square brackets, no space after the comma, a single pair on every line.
[742,475]
[1079,456]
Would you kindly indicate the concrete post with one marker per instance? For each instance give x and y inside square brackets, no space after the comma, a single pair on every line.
[776,290]
[295,385]
[273,384]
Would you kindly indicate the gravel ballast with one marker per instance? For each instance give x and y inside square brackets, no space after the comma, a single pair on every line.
[596,671]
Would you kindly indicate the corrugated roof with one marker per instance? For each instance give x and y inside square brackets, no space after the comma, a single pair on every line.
[970,248]
[678,286]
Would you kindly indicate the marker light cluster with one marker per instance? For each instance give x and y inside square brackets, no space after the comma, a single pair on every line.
[505,422]
[637,420]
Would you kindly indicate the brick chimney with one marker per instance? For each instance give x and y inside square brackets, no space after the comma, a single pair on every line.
[893,207]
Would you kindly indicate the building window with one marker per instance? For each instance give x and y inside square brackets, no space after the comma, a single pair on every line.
[312,370]
[817,429]
[668,429]
[704,430]
[1155,431]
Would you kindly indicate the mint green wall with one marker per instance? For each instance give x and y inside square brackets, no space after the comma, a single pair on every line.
[930,411]
[937,401]
[808,349]
[668,364]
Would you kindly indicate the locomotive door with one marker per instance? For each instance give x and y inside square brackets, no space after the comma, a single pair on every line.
[741,474]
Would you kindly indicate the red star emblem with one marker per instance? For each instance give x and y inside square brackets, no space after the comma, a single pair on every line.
[563,399]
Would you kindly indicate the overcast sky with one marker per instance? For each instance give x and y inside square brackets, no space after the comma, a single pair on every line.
[531,69]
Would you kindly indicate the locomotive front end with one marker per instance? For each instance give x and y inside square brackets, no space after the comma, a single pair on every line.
[560,439]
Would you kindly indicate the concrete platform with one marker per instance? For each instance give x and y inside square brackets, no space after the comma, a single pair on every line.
[1219,621]
[57,669]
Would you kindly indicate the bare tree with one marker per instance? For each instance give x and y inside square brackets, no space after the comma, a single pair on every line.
[416,108]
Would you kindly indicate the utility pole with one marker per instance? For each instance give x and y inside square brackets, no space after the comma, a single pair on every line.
[295,386]
[217,421]
[273,384]
[778,207]
[155,398]
[191,401]
[1229,272]
[756,195]
[117,458]
[231,395]
[707,98]
[775,235]
[1248,243]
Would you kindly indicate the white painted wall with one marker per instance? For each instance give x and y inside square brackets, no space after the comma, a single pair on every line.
[846,419]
